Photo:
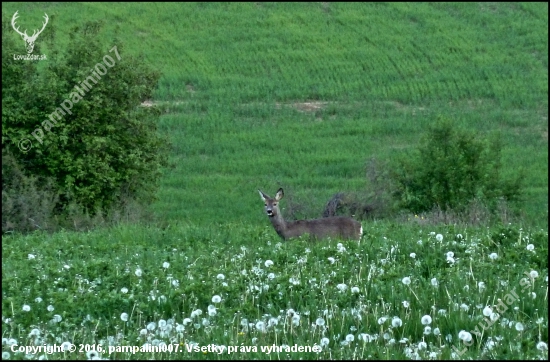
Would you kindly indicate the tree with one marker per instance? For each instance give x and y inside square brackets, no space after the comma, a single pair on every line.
[77,119]
[451,168]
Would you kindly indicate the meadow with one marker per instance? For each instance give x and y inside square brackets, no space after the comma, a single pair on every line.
[301,96]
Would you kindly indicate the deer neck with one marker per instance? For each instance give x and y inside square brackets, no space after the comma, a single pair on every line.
[279,224]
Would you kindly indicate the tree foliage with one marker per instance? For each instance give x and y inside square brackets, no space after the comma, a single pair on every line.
[77,118]
[451,168]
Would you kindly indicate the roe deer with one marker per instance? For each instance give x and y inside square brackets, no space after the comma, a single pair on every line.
[335,227]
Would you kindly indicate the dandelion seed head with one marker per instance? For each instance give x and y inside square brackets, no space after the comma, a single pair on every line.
[396,322]
[426,320]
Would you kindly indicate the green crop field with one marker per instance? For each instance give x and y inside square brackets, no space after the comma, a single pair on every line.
[300,96]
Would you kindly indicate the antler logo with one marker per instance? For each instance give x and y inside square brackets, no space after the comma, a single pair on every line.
[28,39]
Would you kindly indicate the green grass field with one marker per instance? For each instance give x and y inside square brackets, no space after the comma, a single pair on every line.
[301,96]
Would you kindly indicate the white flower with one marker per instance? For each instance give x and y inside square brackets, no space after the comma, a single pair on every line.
[519,327]
[260,326]
[31,256]
[271,276]
[542,346]
[450,254]
[422,345]
[439,237]
[38,300]
[396,322]
[434,282]
[268,263]
[26,308]
[342,287]
[427,330]
[437,332]
[151,326]
[56,318]
[138,272]
[166,265]
[196,313]
[406,280]
[124,290]
[273,321]
[465,336]
[50,308]
[320,322]
[493,256]
[325,341]
[124,317]
[406,303]
[220,277]
[186,321]
[530,247]
[216,299]
[487,311]
[296,319]
[412,255]
[426,320]
[350,338]
[355,289]
[66,346]
[92,354]
[534,274]
[481,286]
[381,320]
[331,259]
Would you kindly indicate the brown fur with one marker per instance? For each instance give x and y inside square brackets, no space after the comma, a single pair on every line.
[334,227]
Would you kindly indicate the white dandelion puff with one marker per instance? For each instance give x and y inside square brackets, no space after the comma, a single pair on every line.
[426,320]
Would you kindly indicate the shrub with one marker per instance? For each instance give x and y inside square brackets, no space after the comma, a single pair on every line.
[106,151]
[451,168]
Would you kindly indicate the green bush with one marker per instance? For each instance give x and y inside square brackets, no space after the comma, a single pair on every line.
[105,149]
[451,168]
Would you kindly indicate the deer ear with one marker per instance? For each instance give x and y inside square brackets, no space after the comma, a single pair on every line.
[263,196]
[280,194]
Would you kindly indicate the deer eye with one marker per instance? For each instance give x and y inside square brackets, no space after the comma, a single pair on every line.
[265,204]
[274,204]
